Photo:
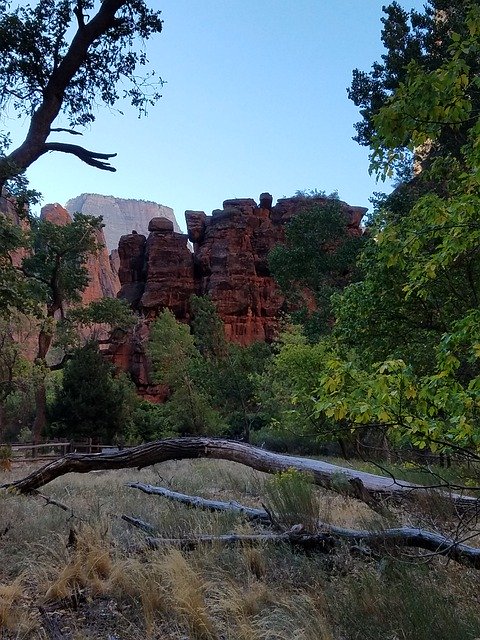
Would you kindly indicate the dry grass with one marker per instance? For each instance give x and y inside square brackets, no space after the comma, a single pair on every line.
[100,587]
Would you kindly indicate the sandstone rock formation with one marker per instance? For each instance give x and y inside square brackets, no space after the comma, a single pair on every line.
[229,263]
[120,215]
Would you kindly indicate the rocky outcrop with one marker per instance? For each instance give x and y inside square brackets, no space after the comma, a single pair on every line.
[104,281]
[120,215]
[231,267]
[229,263]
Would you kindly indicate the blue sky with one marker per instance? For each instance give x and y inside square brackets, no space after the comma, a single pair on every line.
[255,100]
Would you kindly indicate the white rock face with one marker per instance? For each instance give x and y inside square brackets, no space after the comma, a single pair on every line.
[120,215]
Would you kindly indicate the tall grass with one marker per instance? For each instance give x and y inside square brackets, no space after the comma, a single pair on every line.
[103,587]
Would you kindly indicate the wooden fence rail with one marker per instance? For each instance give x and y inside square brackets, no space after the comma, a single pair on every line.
[50,450]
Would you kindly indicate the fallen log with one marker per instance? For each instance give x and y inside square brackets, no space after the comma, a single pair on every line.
[329,539]
[325,540]
[255,515]
[367,487]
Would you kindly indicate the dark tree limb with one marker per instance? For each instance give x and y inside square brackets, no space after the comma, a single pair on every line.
[63,130]
[78,11]
[340,479]
[255,515]
[56,503]
[91,158]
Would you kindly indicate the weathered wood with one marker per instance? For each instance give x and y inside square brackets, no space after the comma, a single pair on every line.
[329,539]
[255,515]
[139,524]
[339,479]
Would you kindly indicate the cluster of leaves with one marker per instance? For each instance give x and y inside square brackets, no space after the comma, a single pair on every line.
[417,47]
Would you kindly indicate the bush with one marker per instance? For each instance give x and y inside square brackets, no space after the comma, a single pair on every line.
[92,401]
[291,500]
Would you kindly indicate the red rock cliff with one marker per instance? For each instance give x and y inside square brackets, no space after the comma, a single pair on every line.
[228,263]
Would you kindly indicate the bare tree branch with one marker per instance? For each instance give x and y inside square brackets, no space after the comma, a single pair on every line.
[62,129]
[89,157]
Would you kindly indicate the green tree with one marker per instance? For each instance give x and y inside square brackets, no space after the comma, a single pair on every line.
[412,39]
[177,363]
[317,260]
[101,410]
[55,274]
[100,320]
[9,363]
[431,250]
[285,390]
[228,370]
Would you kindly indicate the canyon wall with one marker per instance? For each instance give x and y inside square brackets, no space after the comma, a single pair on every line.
[120,215]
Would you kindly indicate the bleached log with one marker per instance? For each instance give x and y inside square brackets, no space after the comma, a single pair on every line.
[255,515]
[329,539]
[367,487]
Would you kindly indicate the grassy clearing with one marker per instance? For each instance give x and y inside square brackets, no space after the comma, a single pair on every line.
[101,588]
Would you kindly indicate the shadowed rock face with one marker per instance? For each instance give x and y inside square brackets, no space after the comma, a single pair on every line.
[120,215]
[228,263]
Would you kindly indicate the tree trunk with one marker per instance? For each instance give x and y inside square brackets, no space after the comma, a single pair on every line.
[359,484]
[40,422]
[44,342]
